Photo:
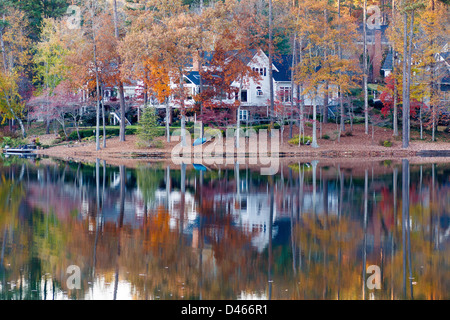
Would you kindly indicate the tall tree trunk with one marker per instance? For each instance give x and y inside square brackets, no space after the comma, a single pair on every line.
[2,46]
[325,100]
[294,46]
[183,111]
[103,117]
[300,101]
[272,106]
[366,94]
[406,77]
[325,104]
[238,119]
[97,109]
[411,35]
[314,137]
[120,83]
[432,88]
[168,112]
[341,94]
[395,112]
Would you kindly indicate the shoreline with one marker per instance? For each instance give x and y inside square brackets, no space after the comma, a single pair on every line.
[358,148]
[134,158]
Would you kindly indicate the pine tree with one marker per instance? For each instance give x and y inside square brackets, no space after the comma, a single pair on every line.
[148,126]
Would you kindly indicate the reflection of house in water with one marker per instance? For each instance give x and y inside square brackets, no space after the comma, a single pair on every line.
[249,207]
[172,201]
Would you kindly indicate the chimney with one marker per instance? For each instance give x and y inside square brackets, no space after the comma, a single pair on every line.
[195,62]
[377,55]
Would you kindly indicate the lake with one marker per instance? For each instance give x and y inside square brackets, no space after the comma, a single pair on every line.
[315,230]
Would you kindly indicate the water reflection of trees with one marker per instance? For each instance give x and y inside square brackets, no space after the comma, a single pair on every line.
[307,233]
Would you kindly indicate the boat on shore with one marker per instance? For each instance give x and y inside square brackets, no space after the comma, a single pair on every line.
[25,149]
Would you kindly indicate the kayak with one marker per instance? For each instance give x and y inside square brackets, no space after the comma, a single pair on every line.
[199,167]
[199,141]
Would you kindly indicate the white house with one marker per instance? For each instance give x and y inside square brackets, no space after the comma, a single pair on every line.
[254,95]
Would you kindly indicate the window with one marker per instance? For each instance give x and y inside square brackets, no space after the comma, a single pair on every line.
[243,115]
[261,71]
[259,92]
[285,94]
[244,95]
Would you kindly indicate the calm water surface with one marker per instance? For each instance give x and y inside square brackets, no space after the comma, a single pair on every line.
[166,232]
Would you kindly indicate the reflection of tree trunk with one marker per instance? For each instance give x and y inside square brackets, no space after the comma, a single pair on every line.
[3,248]
[394,183]
[97,185]
[341,198]
[325,194]
[405,211]
[122,174]
[168,187]
[291,209]
[314,174]
[301,177]
[271,187]
[366,191]
[183,198]
[122,194]
[200,240]
[405,180]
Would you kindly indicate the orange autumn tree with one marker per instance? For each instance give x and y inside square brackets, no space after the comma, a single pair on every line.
[166,34]
[157,80]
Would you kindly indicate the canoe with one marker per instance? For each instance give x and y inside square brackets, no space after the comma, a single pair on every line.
[199,141]
[199,167]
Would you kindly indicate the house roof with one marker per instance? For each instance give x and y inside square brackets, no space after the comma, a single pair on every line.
[246,57]
[284,66]
[445,55]
[193,76]
[387,65]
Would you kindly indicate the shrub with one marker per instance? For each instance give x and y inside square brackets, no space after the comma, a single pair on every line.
[158,144]
[326,137]
[304,140]
[90,132]
[13,142]
[347,134]
[386,143]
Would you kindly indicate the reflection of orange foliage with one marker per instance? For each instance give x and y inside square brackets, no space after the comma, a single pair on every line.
[157,231]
